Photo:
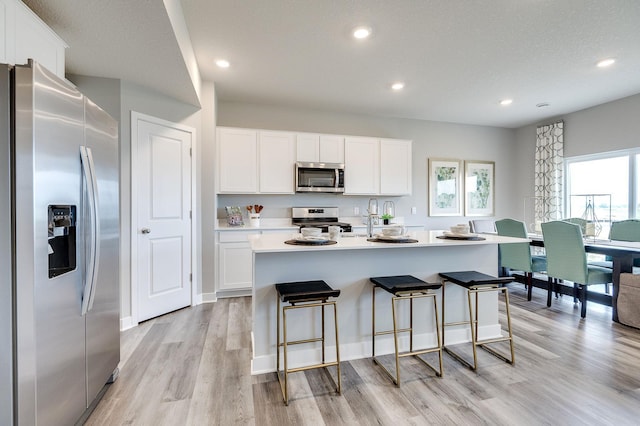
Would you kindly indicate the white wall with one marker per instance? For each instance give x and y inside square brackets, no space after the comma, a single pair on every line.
[119,98]
[205,195]
[608,127]
[430,140]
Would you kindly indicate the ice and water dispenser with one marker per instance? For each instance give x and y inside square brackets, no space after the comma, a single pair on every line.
[62,239]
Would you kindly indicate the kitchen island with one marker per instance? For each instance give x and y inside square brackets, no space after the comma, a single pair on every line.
[347,266]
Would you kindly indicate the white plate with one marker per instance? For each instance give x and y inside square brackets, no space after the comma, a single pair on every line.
[391,237]
[456,235]
[313,238]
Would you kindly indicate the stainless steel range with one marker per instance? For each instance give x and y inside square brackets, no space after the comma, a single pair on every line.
[319,217]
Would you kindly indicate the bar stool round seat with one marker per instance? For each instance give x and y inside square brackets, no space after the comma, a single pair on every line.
[405,287]
[475,283]
[304,295]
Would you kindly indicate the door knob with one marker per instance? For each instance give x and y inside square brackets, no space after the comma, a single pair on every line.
[145,230]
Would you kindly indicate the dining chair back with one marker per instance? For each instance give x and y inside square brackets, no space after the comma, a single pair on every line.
[567,260]
[482,226]
[566,257]
[518,256]
[578,221]
[625,230]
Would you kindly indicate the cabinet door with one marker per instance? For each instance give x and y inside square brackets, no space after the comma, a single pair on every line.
[362,166]
[308,148]
[395,167]
[331,149]
[35,40]
[235,266]
[277,161]
[238,160]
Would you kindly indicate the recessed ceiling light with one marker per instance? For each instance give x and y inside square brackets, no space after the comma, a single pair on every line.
[222,63]
[361,32]
[506,102]
[606,62]
[397,86]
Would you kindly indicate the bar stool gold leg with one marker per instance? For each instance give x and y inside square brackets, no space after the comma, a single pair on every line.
[506,299]
[286,367]
[439,341]
[395,300]
[373,323]
[473,324]
[323,341]
[335,317]
[395,340]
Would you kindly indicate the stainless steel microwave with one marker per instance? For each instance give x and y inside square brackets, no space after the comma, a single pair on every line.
[319,177]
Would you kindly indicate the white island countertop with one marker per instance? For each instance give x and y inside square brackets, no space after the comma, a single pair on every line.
[272,243]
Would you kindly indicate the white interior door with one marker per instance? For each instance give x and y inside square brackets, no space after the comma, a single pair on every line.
[163,201]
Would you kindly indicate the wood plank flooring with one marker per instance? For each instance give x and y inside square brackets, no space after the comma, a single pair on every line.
[192,367]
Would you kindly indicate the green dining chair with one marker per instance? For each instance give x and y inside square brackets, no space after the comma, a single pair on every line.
[578,221]
[567,260]
[623,230]
[518,256]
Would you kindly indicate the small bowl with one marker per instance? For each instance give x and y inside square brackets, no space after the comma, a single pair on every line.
[460,229]
[392,231]
[311,232]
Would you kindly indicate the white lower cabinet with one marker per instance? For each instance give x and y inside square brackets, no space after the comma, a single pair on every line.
[235,262]
[236,271]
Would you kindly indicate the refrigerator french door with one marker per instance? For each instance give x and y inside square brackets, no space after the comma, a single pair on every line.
[65,245]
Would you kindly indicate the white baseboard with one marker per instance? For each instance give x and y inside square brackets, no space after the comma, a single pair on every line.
[358,350]
[208,298]
[126,323]
[234,293]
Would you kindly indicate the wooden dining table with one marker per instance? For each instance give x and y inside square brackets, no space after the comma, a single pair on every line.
[621,252]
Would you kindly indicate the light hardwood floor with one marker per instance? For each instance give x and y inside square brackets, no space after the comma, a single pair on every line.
[191,367]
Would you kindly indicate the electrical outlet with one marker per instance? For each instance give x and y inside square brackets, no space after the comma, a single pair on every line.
[356,211]
[414,210]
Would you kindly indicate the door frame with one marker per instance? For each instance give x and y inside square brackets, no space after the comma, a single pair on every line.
[135,118]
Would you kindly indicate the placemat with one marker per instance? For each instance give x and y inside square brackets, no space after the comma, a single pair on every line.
[311,242]
[445,237]
[405,240]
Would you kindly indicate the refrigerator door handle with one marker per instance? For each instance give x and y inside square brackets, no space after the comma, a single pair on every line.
[88,170]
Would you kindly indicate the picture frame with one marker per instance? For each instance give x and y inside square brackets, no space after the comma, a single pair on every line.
[234,216]
[445,187]
[479,177]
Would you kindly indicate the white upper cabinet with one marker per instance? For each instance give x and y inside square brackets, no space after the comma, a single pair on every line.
[277,153]
[331,149]
[308,147]
[361,166]
[237,160]
[25,36]
[254,161]
[315,148]
[395,167]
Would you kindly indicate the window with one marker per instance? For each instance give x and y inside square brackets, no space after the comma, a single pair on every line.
[613,173]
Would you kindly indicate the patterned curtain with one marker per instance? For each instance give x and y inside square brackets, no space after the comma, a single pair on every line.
[549,172]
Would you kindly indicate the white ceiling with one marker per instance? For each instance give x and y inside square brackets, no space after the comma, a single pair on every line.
[458,58]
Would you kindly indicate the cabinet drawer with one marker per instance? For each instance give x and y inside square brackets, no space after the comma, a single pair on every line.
[235,236]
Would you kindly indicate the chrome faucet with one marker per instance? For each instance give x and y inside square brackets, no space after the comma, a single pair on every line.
[373,214]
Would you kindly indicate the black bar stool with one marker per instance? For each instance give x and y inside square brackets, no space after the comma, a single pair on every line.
[476,282]
[404,287]
[301,295]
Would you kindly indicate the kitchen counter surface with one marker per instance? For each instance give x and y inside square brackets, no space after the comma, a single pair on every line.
[272,243]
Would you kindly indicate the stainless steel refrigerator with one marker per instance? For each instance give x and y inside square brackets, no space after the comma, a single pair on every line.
[59,240]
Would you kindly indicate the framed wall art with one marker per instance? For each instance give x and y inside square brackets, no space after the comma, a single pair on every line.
[445,187]
[479,186]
